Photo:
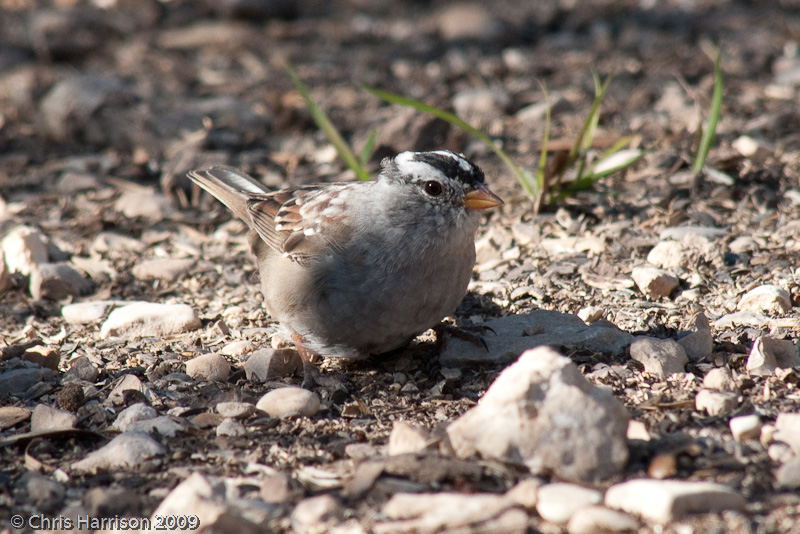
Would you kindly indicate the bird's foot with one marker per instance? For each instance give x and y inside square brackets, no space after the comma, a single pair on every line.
[312,376]
[472,334]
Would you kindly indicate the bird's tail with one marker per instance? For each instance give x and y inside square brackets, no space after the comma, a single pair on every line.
[230,186]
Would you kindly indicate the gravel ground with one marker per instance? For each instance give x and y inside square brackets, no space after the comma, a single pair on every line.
[675,301]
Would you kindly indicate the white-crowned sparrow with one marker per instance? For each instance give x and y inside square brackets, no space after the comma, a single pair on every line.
[360,268]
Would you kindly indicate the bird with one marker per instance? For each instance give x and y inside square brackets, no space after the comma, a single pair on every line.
[354,269]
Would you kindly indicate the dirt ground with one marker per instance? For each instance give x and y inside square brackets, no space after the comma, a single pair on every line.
[105,98]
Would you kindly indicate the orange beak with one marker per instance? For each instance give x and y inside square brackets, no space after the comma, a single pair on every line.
[481,199]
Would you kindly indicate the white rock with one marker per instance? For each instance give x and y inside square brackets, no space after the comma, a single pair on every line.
[87,312]
[680,232]
[597,519]
[667,254]
[150,319]
[637,430]
[130,450]
[204,498]
[406,438]
[289,402]
[542,412]
[5,273]
[129,382]
[720,379]
[745,427]
[162,425]
[112,244]
[24,248]
[316,514]
[559,501]
[231,427]
[151,206]
[237,348]
[210,366]
[235,410]
[46,418]
[162,268]
[135,412]
[769,353]
[787,430]
[788,475]
[662,501]
[715,402]
[769,299]
[660,357]
[653,282]
[525,492]
[439,512]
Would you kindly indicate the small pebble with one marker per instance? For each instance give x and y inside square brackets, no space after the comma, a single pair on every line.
[660,357]
[599,519]
[130,450]
[46,418]
[406,438]
[655,283]
[24,248]
[147,319]
[715,402]
[557,502]
[235,410]
[720,379]
[135,412]
[56,281]
[289,402]
[231,427]
[210,366]
[769,299]
[745,427]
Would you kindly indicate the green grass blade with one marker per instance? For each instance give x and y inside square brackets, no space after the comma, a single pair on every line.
[366,152]
[526,180]
[710,130]
[327,127]
[540,174]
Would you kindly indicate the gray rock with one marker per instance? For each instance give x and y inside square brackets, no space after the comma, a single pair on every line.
[17,381]
[162,425]
[662,501]
[542,412]
[150,319]
[660,357]
[162,268]
[596,519]
[68,107]
[769,353]
[231,427]
[653,282]
[56,281]
[45,418]
[128,382]
[133,413]
[74,182]
[558,502]
[211,366]
[699,342]
[268,364]
[715,402]
[130,450]
[83,369]
[235,410]
[515,334]
[289,402]
[47,494]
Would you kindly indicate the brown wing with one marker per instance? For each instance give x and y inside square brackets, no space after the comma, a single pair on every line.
[291,221]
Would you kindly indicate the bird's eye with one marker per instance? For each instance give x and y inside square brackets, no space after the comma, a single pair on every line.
[434,189]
